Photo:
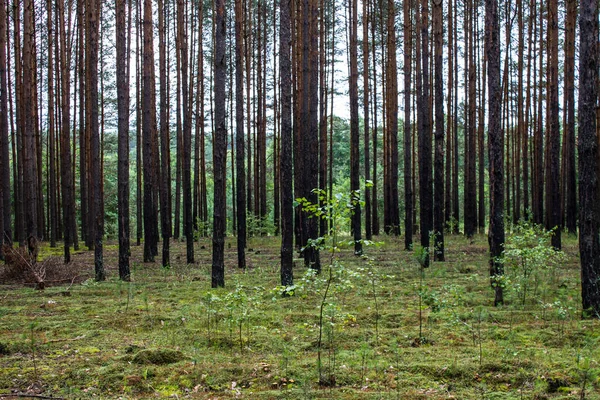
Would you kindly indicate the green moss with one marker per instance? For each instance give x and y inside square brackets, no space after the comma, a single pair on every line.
[158,356]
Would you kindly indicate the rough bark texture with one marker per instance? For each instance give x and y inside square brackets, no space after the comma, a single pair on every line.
[5,227]
[123,126]
[365,49]
[354,131]
[186,158]
[438,203]
[149,135]
[392,219]
[239,135]
[496,146]
[219,150]
[553,212]
[165,159]
[570,188]
[93,13]
[287,206]
[589,240]
[408,193]
[425,180]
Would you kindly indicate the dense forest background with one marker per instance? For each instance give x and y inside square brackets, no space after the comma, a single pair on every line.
[177,119]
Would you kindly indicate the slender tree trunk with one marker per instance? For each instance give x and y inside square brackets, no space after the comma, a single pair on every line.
[5,210]
[425,179]
[450,135]
[123,126]
[438,203]
[553,212]
[570,187]
[354,131]
[239,134]
[93,14]
[165,159]
[408,194]
[392,124]
[496,146]
[149,135]
[187,133]
[52,200]
[219,150]
[589,241]
[287,214]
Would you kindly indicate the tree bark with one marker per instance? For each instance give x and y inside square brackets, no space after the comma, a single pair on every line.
[219,150]
[589,240]
[496,148]
[123,138]
[438,203]
[287,206]
[239,134]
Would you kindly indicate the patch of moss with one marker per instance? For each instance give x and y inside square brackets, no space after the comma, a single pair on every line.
[158,356]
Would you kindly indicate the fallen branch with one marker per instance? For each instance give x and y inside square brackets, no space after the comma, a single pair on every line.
[33,396]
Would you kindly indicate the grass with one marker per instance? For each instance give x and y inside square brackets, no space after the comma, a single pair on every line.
[167,334]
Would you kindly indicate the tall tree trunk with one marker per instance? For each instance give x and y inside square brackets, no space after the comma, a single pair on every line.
[450,135]
[408,194]
[219,150]
[29,138]
[589,241]
[239,135]
[287,206]
[425,179]
[393,226]
[438,203]
[354,131]
[365,49]
[52,199]
[149,136]
[187,133]
[496,146]
[123,140]
[5,210]
[93,14]
[165,160]
[553,212]
[570,187]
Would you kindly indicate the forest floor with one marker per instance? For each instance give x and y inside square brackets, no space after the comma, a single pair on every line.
[387,332]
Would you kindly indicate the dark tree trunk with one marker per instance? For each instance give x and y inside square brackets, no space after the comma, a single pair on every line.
[365,48]
[5,226]
[165,159]
[239,135]
[219,150]
[287,206]
[408,193]
[149,136]
[393,219]
[29,138]
[589,240]
[438,201]
[496,148]
[93,14]
[188,224]
[123,126]
[138,123]
[425,179]
[553,212]
[68,195]
[450,134]
[570,187]
[354,131]
[52,198]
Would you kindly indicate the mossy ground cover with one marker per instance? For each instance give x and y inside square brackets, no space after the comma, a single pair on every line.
[385,332]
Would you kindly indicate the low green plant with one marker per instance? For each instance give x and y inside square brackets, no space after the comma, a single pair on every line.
[527,255]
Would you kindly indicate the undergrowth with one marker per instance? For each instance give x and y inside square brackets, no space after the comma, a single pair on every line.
[167,334]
